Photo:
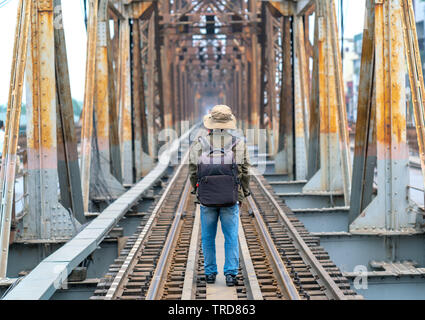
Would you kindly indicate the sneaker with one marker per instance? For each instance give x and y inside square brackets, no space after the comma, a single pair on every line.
[230,280]
[210,278]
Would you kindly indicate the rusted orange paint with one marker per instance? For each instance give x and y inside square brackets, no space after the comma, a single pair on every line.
[323,110]
[125,87]
[391,120]
[102,98]
[285,8]
[365,86]
[138,8]
[44,86]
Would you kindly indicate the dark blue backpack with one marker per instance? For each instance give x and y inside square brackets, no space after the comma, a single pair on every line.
[218,181]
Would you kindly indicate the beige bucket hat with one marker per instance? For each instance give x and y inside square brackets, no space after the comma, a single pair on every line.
[221,117]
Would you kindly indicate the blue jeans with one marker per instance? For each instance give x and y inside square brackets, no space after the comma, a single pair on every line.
[229,218]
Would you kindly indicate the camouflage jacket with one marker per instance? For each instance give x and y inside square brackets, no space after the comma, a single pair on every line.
[219,139]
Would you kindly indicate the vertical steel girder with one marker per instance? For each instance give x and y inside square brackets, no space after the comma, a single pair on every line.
[104,107]
[295,97]
[245,84]
[383,118]
[96,135]
[141,26]
[254,63]
[166,58]
[152,73]
[301,99]
[269,86]
[8,168]
[314,118]
[114,142]
[49,128]
[150,66]
[46,219]
[334,175]
[68,167]
[416,78]
[138,101]
[159,95]
[88,105]
[125,107]
[365,140]
[284,159]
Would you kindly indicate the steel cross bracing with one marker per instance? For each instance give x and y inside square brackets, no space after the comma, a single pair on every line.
[155,65]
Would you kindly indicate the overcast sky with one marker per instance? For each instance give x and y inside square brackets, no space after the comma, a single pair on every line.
[75,34]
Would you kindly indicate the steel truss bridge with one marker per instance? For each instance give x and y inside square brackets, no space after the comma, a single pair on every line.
[153,69]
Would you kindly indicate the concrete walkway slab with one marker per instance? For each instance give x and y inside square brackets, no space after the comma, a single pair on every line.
[219,290]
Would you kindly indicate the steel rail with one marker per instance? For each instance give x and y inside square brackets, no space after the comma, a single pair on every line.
[189,288]
[331,287]
[188,292]
[161,268]
[131,259]
[283,274]
[253,287]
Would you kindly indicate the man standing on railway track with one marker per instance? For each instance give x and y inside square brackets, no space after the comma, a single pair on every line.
[219,174]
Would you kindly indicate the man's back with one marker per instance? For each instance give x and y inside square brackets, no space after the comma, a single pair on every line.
[214,191]
[218,139]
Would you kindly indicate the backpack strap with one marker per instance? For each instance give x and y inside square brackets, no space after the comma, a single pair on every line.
[232,144]
[206,146]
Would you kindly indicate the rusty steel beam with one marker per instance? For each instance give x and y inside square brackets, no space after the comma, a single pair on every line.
[285,157]
[138,101]
[114,142]
[365,140]
[147,160]
[265,53]
[166,58]
[116,12]
[88,106]
[150,73]
[125,107]
[176,93]
[159,99]
[268,89]
[301,100]
[416,78]
[285,8]
[103,104]
[99,146]
[334,175]
[390,212]
[8,167]
[254,72]
[68,167]
[314,130]
[244,86]
[139,10]
[46,218]
[304,7]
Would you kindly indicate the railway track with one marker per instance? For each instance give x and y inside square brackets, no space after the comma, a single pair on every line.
[309,266]
[279,258]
